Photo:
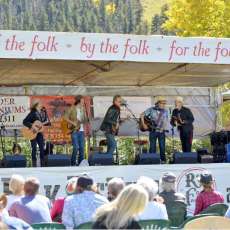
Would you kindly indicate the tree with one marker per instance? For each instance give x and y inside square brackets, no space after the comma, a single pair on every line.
[199,18]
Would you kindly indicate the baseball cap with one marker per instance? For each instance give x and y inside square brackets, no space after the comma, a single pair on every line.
[84,181]
[206,178]
[169,177]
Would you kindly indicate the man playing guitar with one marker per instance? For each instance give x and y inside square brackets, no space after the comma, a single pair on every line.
[182,117]
[34,121]
[111,122]
[158,117]
[76,118]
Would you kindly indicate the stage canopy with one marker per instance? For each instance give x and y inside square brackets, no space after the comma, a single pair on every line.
[54,63]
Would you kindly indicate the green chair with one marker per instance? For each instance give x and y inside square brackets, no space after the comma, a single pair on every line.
[87,225]
[154,224]
[177,212]
[48,226]
[218,208]
[194,218]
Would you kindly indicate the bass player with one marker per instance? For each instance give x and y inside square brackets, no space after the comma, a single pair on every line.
[158,117]
[35,117]
[76,117]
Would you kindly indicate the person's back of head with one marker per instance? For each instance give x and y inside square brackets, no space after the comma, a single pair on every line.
[84,183]
[129,203]
[207,181]
[168,182]
[31,186]
[149,185]
[16,184]
[115,186]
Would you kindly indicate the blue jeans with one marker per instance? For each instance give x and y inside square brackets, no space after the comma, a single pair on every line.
[111,143]
[39,140]
[78,142]
[153,137]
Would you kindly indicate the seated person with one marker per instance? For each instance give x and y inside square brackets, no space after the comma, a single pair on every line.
[154,209]
[208,195]
[115,186]
[32,208]
[58,205]
[168,187]
[79,208]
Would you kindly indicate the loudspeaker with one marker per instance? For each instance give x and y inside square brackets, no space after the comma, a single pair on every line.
[228,152]
[16,161]
[185,158]
[58,160]
[204,159]
[97,158]
[148,159]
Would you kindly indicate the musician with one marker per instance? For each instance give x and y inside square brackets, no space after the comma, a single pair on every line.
[76,118]
[110,124]
[33,116]
[182,117]
[158,117]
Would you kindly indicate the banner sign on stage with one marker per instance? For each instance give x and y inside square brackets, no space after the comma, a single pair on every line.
[56,107]
[113,47]
[13,109]
[53,180]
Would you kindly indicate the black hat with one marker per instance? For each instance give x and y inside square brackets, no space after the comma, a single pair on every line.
[84,181]
[169,177]
[206,178]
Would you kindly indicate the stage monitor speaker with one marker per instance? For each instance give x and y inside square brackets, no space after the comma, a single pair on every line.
[228,152]
[205,159]
[185,158]
[57,160]
[148,159]
[16,161]
[97,158]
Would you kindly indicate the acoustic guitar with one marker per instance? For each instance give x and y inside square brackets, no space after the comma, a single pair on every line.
[31,133]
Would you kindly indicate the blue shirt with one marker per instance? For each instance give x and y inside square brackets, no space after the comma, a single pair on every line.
[32,209]
[159,117]
[79,208]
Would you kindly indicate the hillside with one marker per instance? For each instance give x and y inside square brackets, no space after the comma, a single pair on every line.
[151,7]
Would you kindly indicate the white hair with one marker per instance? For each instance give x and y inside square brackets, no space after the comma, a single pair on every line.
[16,184]
[149,185]
[116,185]
[168,186]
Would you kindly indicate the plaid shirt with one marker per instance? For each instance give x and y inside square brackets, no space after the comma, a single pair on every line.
[205,199]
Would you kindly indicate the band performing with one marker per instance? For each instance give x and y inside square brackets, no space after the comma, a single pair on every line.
[153,120]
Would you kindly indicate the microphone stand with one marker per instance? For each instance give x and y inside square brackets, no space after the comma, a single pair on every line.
[137,123]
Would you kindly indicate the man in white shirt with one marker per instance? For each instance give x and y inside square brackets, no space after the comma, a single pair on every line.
[153,210]
[79,208]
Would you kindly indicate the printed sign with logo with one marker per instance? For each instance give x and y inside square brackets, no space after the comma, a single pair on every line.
[13,109]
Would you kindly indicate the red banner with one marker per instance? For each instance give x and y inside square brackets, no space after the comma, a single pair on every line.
[56,107]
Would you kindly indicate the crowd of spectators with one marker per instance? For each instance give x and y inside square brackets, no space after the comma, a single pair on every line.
[123,208]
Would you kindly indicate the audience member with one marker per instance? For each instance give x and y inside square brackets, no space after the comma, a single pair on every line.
[10,222]
[32,208]
[79,208]
[115,186]
[154,209]
[121,212]
[227,214]
[208,195]
[168,187]
[58,205]
[16,186]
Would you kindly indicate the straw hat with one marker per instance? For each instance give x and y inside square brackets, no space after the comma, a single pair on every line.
[180,99]
[160,99]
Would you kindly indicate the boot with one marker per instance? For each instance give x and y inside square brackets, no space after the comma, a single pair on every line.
[34,163]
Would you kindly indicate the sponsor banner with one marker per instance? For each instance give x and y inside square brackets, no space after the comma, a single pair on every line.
[53,180]
[56,107]
[13,109]
[114,47]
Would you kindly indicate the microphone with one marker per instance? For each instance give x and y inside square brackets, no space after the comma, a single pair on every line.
[124,102]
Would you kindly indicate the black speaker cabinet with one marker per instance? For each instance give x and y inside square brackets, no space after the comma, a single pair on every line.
[185,158]
[148,158]
[97,158]
[58,160]
[16,161]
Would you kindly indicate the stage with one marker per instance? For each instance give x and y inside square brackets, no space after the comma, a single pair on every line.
[53,179]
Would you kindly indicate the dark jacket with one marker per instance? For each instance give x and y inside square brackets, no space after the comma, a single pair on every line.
[111,118]
[133,224]
[31,118]
[186,115]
